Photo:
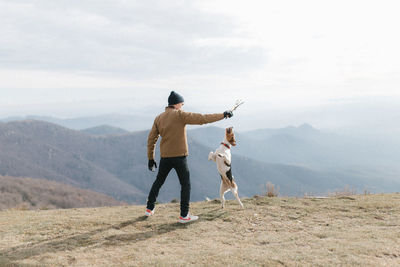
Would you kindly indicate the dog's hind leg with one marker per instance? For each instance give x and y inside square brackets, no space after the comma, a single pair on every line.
[222,191]
[236,194]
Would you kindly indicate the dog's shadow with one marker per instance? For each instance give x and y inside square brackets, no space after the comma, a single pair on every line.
[213,214]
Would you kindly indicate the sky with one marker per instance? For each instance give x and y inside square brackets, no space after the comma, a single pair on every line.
[323,62]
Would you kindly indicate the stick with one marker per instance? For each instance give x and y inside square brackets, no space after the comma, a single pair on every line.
[237,104]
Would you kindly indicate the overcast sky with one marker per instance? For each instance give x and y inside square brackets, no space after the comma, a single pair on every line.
[85,57]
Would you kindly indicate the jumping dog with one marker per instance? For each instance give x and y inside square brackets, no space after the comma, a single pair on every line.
[222,156]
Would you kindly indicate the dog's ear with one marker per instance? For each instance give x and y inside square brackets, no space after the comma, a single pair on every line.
[229,130]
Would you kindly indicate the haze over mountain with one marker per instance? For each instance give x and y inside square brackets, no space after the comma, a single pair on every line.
[104,130]
[366,117]
[308,146]
[126,122]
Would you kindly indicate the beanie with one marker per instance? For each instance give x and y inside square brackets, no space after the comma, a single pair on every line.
[175,98]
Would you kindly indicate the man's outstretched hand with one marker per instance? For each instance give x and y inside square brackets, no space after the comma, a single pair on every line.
[152,165]
[228,114]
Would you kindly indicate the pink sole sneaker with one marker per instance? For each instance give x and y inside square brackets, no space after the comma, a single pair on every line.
[188,218]
[149,212]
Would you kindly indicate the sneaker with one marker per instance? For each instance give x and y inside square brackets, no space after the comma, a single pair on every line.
[188,218]
[149,212]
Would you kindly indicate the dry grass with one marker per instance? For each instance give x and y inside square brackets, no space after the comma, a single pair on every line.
[345,192]
[361,230]
[271,190]
[33,193]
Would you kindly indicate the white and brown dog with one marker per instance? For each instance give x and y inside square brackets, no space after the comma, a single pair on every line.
[222,156]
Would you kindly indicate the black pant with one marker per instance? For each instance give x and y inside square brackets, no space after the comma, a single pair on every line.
[182,169]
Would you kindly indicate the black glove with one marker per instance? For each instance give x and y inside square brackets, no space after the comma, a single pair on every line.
[152,164]
[228,114]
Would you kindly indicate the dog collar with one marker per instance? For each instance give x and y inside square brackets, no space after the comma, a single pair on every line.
[225,145]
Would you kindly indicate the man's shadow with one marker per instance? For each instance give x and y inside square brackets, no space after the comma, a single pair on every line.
[21,252]
[58,244]
[161,229]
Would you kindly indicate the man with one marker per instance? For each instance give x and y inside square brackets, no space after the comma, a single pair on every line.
[171,126]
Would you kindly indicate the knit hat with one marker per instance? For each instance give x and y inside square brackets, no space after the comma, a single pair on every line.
[175,98]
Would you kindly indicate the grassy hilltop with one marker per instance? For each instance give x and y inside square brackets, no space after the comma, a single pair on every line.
[359,230]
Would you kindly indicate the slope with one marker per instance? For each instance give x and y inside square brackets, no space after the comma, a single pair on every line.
[358,230]
[28,193]
[43,150]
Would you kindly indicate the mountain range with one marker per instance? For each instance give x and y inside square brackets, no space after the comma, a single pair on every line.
[116,165]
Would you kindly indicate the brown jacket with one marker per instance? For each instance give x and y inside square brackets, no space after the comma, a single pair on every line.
[171,125]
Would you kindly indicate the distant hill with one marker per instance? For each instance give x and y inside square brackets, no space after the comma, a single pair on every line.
[28,193]
[117,165]
[43,150]
[104,130]
[127,122]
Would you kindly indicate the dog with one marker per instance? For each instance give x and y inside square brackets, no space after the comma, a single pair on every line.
[222,156]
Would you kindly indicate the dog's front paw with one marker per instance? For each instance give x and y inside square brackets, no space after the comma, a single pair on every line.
[210,155]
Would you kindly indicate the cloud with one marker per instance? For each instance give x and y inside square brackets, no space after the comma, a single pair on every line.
[280,55]
[128,38]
